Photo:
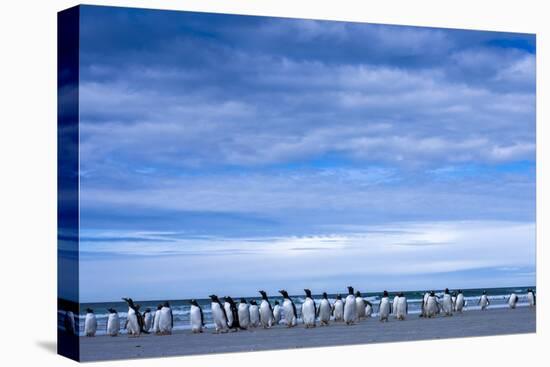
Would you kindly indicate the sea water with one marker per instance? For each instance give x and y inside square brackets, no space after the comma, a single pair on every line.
[181,308]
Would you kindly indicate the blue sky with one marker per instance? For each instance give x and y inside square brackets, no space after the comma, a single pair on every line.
[227,154]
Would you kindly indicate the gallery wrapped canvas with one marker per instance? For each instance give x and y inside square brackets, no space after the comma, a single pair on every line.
[232,183]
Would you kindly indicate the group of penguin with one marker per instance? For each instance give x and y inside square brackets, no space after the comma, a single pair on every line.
[245,315]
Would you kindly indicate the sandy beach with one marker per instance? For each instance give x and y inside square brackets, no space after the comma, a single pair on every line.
[470,323]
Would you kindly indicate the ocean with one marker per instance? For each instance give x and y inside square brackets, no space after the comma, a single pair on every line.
[180,308]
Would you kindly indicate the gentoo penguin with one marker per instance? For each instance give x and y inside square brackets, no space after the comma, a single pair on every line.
[431,305]
[266,311]
[484,301]
[338,309]
[459,303]
[132,321]
[156,319]
[232,315]
[218,314]
[141,321]
[276,313]
[309,310]
[447,303]
[359,305]
[350,312]
[531,298]
[228,312]
[325,309]
[196,317]
[401,308]
[289,310]
[384,307]
[244,314]
[68,323]
[113,323]
[394,305]
[424,304]
[368,309]
[147,320]
[254,311]
[166,321]
[513,300]
[90,323]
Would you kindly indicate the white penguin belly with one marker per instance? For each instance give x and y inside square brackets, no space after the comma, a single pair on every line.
[394,304]
[290,317]
[324,311]
[113,324]
[459,302]
[227,307]
[350,312]
[277,313]
[384,311]
[254,316]
[132,326]
[447,304]
[165,322]
[401,308]
[90,325]
[308,312]
[148,322]
[156,320]
[531,299]
[219,318]
[338,310]
[244,315]
[431,306]
[483,302]
[195,319]
[266,316]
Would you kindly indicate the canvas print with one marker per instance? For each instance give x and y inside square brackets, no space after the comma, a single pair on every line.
[232,183]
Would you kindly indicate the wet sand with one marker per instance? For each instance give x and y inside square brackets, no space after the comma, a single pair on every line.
[183,342]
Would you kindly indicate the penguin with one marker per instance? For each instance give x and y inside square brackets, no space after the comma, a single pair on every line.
[266,312]
[512,301]
[338,309]
[423,305]
[431,305]
[166,321]
[484,301]
[68,323]
[141,321]
[276,313]
[385,307]
[394,305]
[156,319]
[359,305]
[447,303]
[531,298]
[289,310]
[232,315]
[254,314]
[90,323]
[401,307]
[325,309]
[350,312]
[113,323]
[132,321]
[218,314]
[460,302]
[309,310]
[196,317]
[227,308]
[368,309]
[244,314]
[147,320]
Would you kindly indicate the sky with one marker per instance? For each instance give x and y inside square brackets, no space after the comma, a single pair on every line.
[227,154]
